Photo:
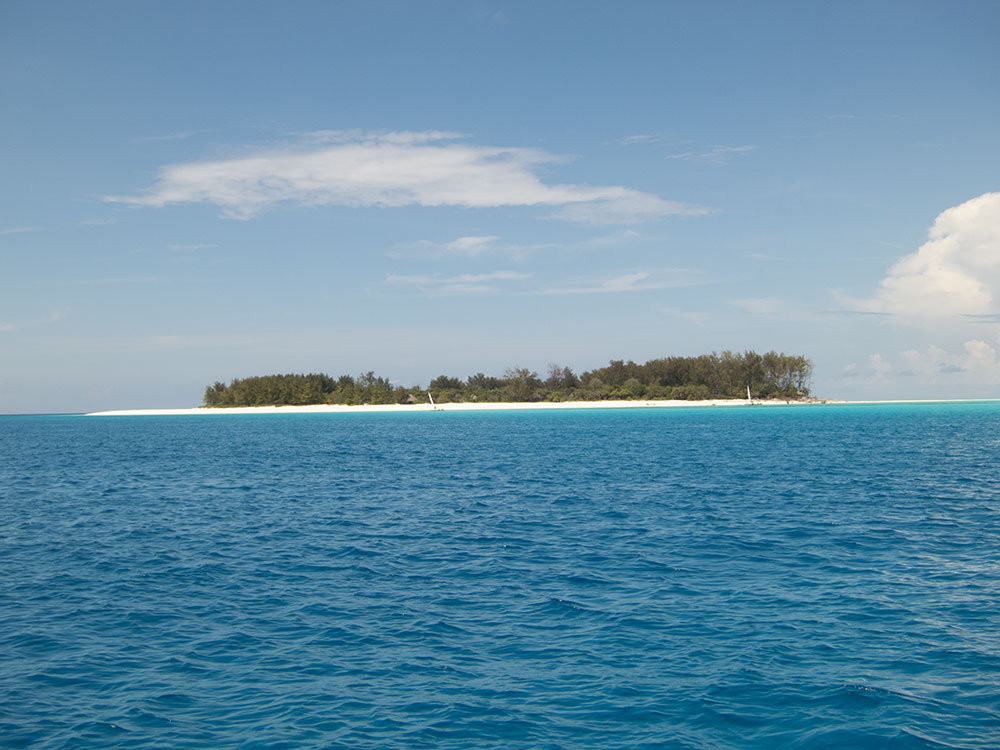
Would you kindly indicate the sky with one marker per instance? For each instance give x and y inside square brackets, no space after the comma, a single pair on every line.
[193,192]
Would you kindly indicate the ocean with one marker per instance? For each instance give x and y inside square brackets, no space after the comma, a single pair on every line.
[774,577]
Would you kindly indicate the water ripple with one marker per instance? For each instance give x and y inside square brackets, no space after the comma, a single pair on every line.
[805,578]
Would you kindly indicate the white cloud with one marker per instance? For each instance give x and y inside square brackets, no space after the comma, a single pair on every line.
[625,283]
[976,363]
[618,205]
[473,245]
[636,281]
[54,316]
[169,136]
[980,356]
[21,230]
[698,318]
[643,138]
[714,155]
[765,306]
[879,366]
[348,168]
[513,282]
[956,272]
[98,221]
[114,281]
[614,240]
[692,316]
[192,248]
[478,245]
[466,283]
[467,247]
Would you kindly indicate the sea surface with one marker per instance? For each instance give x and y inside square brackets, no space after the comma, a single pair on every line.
[775,577]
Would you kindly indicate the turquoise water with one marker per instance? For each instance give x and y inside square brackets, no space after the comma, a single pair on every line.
[801,577]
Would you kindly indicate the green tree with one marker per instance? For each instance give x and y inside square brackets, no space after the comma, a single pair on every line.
[521,384]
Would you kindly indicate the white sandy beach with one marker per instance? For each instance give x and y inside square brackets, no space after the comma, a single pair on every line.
[466,406]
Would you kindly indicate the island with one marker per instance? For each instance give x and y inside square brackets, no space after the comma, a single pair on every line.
[712,377]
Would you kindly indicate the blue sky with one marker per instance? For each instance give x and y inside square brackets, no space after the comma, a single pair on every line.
[195,192]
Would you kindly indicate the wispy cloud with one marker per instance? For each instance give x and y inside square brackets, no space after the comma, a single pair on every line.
[624,206]
[179,136]
[714,154]
[956,273]
[487,15]
[346,168]
[116,280]
[54,316]
[613,240]
[469,246]
[468,283]
[22,230]
[472,245]
[986,318]
[766,257]
[518,283]
[698,318]
[851,313]
[98,221]
[634,281]
[191,248]
[644,138]
[763,306]
[169,342]
[692,316]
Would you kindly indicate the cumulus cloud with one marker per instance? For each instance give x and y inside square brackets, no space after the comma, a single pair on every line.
[879,366]
[877,371]
[976,363]
[956,272]
[348,168]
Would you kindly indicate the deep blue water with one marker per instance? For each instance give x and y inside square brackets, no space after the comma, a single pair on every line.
[801,577]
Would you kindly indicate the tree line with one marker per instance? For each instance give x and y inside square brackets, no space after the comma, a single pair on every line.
[716,375]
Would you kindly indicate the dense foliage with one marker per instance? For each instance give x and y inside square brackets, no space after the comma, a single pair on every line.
[724,375]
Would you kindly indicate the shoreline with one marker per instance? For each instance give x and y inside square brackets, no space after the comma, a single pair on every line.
[463,406]
[509,406]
